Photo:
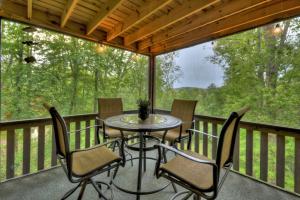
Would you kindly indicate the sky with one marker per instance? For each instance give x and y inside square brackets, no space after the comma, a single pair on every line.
[197,70]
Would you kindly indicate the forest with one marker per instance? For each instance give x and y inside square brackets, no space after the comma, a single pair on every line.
[261,70]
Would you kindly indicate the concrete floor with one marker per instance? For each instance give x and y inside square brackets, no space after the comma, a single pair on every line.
[52,184]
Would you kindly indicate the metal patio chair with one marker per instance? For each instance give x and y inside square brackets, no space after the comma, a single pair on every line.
[108,107]
[184,110]
[197,173]
[81,166]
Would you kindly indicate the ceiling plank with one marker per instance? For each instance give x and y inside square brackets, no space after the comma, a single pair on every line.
[67,12]
[257,17]
[146,10]
[29,9]
[17,12]
[180,12]
[102,14]
[221,12]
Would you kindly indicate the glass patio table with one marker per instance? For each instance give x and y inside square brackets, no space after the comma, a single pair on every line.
[131,122]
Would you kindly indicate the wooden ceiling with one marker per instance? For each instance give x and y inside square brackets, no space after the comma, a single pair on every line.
[149,26]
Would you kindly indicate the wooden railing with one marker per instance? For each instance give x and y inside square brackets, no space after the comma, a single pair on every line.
[275,144]
[261,151]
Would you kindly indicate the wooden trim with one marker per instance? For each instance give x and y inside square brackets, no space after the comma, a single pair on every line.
[148,8]
[67,12]
[224,10]
[178,13]
[258,17]
[29,9]
[102,14]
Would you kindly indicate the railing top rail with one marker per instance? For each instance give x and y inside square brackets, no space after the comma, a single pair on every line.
[245,124]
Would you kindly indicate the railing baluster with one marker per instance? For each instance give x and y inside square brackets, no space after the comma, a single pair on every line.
[249,151]
[205,139]
[95,132]
[197,136]
[10,153]
[87,134]
[236,154]
[26,150]
[68,129]
[264,156]
[53,153]
[41,146]
[77,135]
[297,165]
[214,140]
[280,160]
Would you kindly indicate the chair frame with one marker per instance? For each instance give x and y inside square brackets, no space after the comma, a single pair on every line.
[217,183]
[66,160]
[180,138]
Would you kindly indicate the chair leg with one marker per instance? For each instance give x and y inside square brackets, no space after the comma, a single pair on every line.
[95,185]
[196,197]
[82,190]
[71,191]
[174,187]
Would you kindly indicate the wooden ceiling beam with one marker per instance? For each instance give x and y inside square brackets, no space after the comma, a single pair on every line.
[257,17]
[180,12]
[29,9]
[106,10]
[17,12]
[223,11]
[146,10]
[67,12]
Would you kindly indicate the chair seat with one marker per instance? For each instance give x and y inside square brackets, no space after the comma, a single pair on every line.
[87,161]
[195,174]
[114,133]
[171,135]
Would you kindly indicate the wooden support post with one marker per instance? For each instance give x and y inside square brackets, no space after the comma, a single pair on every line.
[280,160]
[197,136]
[151,82]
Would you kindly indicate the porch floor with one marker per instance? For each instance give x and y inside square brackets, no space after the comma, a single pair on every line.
[53,184]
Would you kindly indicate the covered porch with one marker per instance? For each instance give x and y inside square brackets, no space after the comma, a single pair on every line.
[149,28]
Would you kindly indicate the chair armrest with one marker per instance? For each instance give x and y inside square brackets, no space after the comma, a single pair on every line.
[185,155]
[99,119]
[79,130]
[96,146]
[210,135]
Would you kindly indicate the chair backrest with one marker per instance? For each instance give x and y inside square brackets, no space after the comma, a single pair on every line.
[184,110]
[108,107]
[227,138]
[60,132]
